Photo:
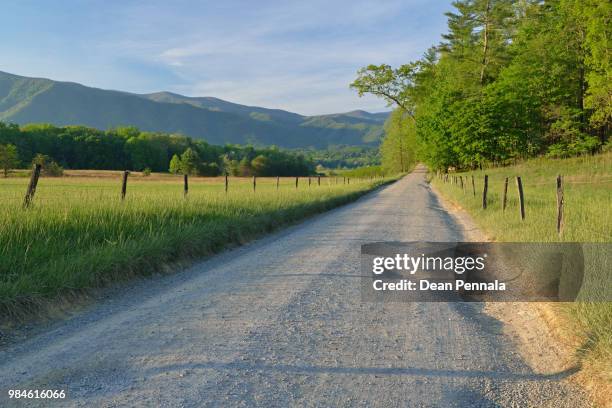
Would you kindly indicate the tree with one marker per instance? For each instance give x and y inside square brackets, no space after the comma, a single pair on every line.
[8,158]
[175,165]
[512,79]
[479,34]
[598,16]
[245,168]
[393,85]
[397,150]
[190,162]
[147,150]
[260,165]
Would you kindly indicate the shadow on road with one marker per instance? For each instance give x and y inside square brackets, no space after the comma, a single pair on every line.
[392,371]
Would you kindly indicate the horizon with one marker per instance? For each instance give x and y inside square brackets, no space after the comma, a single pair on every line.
[289,56]
[388,110]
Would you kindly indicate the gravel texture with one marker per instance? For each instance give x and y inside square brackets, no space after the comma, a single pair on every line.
[280,322]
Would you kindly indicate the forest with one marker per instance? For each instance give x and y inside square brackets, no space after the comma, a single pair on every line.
[342,156]
[512,79]
[128,148]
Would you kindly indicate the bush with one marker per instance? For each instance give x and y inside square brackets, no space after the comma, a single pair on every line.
[52,169]
[581,145]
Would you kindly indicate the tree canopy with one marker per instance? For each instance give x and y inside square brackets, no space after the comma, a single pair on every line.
[512,79]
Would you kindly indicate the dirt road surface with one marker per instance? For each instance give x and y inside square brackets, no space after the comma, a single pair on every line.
[280,322]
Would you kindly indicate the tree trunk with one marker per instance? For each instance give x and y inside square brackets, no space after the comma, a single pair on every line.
[485,41]
[582,86]
[401,151]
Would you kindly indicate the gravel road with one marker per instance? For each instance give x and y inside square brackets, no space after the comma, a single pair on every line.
[280,322]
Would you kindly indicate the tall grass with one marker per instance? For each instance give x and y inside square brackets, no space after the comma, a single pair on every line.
[588,218]
[78,233]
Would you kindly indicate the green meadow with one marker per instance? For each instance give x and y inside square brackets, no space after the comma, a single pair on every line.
[79,234]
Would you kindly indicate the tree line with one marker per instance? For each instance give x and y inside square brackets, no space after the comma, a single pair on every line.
[512,79]
[342,156]
[128,148]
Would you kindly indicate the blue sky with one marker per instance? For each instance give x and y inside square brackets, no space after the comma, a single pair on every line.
[294,55]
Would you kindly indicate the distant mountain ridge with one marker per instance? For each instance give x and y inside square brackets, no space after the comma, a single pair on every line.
[35,100]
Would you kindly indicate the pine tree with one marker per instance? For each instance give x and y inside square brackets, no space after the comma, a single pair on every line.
[175,165]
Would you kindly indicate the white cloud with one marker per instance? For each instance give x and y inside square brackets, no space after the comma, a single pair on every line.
[296,55]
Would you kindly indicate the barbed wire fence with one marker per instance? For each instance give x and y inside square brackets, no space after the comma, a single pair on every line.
[560,182]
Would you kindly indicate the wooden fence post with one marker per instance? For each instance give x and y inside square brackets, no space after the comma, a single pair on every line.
[484,192]
[32,186]
[473,187]
[254,183]
[348,180]
[505,195]
[185,185]
[559,204]
[343,180]
[226,182]
[462,186]
[319,180]
[277,181]
[309,181]
[519,185]
[124,184]
[296,182]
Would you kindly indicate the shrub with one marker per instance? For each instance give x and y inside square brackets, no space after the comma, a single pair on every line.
[52,169]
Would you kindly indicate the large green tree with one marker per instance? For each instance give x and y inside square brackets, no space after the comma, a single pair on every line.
[398,146]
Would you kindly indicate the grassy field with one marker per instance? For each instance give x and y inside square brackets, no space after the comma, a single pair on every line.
[78,234]
[588,218]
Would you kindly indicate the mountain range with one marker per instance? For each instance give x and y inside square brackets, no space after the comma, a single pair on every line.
[38,100]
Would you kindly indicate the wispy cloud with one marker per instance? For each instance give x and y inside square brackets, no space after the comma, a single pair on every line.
[293,55]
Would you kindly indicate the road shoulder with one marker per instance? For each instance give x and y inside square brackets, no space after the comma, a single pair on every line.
[535,328]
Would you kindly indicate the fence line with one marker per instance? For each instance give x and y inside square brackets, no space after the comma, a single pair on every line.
[560,183]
